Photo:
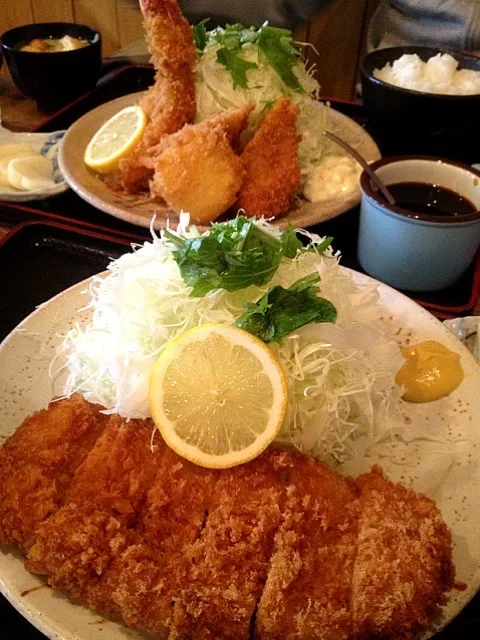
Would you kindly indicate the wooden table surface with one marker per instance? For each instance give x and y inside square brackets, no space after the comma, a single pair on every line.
[19,113]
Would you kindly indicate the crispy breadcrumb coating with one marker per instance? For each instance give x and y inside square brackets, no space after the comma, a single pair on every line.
[198,171]
[279,548]
[38,462]
[143,581]
[307,593]
[169,104]
[230,560]
[270,160]
[404,560]
[76,544]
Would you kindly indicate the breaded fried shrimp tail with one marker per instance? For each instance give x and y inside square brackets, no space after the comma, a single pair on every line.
[170,102]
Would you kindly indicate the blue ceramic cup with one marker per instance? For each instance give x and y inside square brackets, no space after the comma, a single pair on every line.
[415,251]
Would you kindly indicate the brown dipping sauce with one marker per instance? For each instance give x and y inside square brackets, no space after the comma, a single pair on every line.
[430,200]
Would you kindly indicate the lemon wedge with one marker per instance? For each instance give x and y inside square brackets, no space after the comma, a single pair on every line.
[115,139]
[218,396]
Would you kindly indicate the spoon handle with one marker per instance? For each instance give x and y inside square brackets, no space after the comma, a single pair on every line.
[363,163]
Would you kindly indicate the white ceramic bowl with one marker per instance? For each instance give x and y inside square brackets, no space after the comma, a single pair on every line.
[413,251]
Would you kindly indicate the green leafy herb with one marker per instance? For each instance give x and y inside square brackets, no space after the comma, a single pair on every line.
[320,248]
[234,255]
[277,46]
[237,66]
[281,311]
[233,36]
[200,35]
[290,242]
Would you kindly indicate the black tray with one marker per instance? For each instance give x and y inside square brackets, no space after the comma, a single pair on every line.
[39,260]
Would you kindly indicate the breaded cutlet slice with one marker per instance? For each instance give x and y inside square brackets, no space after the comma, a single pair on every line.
[229,561]
[76,545]
[404,559]
[142,582]
[38,462]
[307,592]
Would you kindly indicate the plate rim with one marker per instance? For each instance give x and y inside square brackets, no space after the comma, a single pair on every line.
[123,213]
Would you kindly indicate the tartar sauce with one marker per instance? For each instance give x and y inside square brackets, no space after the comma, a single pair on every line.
[334,175]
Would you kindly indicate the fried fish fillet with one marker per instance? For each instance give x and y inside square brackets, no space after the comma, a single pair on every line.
[77,543]
[307,593]
[403,564]
[270,160]
[38,462]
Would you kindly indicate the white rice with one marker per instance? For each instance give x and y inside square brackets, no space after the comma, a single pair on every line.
[438,75]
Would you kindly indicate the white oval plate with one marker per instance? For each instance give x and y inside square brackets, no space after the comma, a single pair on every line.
[449,473]
[48,145]
[139,209]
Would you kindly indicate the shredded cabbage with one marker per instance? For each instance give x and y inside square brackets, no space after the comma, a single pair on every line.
[342,395]
[215,93]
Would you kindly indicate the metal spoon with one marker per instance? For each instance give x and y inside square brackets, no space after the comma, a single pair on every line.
[374,177]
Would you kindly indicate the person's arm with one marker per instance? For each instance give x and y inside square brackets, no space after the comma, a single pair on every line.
[449,24]
[289,14]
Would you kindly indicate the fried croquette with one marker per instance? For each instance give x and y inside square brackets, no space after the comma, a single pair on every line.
[198,171]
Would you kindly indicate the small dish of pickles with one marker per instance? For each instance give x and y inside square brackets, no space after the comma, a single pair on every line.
[29,166]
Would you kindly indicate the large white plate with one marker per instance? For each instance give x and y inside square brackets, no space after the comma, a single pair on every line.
[450,473]
[139,209]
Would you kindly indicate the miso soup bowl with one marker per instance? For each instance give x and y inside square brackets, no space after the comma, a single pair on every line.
[53,79]
[413,251]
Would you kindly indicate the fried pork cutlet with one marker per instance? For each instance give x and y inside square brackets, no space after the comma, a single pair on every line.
[142,582]
[38,462]
[230,559]
[270,160]
[403,565]
[307,593]
[279,548]
[76,544]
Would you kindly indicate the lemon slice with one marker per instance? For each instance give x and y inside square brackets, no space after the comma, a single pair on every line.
[218,396]
[115,139]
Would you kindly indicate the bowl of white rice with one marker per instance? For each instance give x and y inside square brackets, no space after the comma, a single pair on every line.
[426,96]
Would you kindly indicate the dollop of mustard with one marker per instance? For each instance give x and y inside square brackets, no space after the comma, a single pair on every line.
[431,371]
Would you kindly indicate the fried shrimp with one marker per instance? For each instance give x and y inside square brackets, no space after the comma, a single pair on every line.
[197,170]
[170,102]
[271,164]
